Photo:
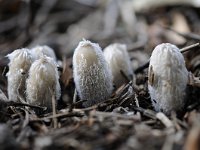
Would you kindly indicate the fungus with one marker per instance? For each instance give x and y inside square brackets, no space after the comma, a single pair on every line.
[92,76]
[38,51]
[43,82]
[167,78]
[119,62]
[20,62]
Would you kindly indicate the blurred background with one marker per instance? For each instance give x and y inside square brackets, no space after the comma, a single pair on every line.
[61,24]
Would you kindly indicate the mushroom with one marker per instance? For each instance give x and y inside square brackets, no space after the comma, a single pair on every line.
[20,62]
[92,76]
[119,62]
[167,78]
[38,51]
[43,82]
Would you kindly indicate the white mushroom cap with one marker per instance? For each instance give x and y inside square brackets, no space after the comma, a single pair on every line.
[38,51]
[20,62]
[168,78]
[118,59]
[43,82]
[19,59]
[92,76]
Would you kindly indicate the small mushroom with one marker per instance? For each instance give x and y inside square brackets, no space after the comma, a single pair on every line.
[92,76]
[38,51]
[167,78]
[119,62]
[43,82]
[20,62]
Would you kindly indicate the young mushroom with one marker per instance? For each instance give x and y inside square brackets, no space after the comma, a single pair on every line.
[20,62]
[92,77]
[167,78]
[43,82]
[39,51]
[119,62]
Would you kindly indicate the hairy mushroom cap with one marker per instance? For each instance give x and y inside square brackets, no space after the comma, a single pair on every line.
[167,78]
[119,62]
[38,51]
[20,62]
[92,77]
[43,82]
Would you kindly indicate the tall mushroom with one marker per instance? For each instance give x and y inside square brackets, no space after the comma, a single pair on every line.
[43,82]
[92,77]
[167,78]
[119,62]
[20,62]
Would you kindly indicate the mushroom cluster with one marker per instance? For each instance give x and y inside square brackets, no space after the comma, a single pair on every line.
[95,72]
[33,76]
[167,74]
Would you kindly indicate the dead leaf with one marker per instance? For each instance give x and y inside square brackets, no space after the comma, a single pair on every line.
[67,74]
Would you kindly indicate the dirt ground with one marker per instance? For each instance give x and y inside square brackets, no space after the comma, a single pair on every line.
[127,119]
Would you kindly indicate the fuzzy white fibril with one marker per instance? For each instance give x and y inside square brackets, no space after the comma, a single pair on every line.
[20,62]
[92,77]
[119,62]
[38,51]
[167,78]
[43,82]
